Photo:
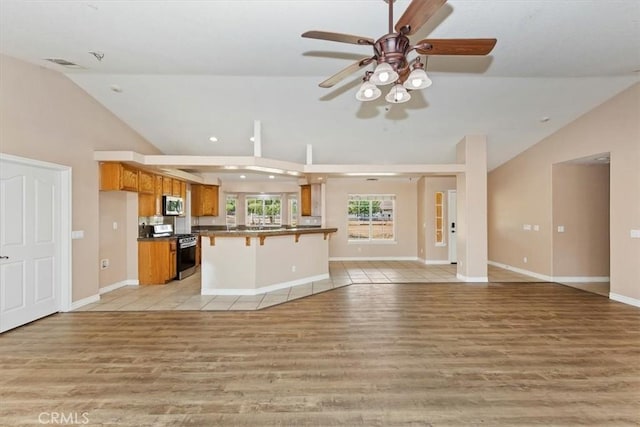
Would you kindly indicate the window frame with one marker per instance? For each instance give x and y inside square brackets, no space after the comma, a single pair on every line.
[371,220]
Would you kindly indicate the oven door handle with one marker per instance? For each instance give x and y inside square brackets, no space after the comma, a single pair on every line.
[186,245]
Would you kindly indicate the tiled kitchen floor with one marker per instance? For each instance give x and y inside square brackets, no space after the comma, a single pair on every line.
[185,294]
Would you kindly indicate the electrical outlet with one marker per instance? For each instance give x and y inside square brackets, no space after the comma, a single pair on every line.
[104,263]
[293,268]
[525,260]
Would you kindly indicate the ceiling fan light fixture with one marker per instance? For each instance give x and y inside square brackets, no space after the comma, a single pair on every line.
[368,92]
[384,74]
[398,94]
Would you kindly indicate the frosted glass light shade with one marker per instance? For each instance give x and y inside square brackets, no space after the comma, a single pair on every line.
[368,92]
[384,74]
[418,79]
[397,95]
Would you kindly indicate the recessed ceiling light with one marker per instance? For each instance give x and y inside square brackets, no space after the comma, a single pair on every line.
[320,178]
[63,62]
[116,88]
[602,159]
[544,119]
[230,167]
[370,174]
[243,176]
[272,177]
[213,139]
[252,139]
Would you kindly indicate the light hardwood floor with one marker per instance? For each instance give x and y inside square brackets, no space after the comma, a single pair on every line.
[383,354]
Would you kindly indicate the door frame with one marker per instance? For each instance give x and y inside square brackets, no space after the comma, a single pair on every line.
[63,262]
[452,252]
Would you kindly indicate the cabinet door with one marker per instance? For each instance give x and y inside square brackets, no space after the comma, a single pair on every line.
[129,178]
[146,182]
[210,200]
[173,261]
[305,200]
[158,194]
[167,186]
[176,188]
[146,204]
[196,199]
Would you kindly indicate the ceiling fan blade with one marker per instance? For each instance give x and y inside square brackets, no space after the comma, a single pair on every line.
[347,71]
[338,37]
[418,12]
[455,46]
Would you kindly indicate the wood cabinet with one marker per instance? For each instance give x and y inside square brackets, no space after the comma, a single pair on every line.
[167,186]
[305,200]
[310,200]
[204,200]
[175,189]
[183,190]
[118,176]
[157,261]
[146,182]
[146,204]
[198,250]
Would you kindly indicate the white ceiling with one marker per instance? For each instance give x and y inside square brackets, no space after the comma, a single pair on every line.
[192,69]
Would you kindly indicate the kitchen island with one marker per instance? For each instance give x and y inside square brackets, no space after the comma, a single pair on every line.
[254,261]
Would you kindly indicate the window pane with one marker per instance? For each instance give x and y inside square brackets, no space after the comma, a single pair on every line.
[370,217]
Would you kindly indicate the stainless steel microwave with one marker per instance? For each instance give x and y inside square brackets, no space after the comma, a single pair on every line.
[172,206]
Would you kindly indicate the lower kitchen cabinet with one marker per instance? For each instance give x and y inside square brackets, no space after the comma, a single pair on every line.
[157,261]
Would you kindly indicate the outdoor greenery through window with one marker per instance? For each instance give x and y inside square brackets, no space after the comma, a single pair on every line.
[231,205]
[263,210]
[371,217]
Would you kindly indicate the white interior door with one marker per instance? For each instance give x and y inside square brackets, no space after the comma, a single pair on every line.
[452,214]
[29,229]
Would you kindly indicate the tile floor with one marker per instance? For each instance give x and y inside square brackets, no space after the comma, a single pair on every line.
[185,294]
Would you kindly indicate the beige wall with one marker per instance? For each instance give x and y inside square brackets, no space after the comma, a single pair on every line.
[427,187]
[337,191]
[581,206]
[520,191]
[45,116]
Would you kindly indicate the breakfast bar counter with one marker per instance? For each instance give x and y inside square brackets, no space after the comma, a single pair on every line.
[256,261]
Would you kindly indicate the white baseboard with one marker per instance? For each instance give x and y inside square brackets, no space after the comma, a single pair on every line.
[472,279]
[84,301]
[117,285]
[437,262]
[373,258]
[587,279]
[623,299]
[265,289]
[521,271]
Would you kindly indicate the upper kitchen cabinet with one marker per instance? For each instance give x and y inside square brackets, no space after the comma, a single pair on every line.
[175,188]
[167,186]
[118,176]
[204,200]
[146,182]
[310,200]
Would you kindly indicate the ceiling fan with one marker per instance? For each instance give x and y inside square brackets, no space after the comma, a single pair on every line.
[390,53]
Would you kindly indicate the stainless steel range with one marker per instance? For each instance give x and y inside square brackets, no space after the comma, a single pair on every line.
[186,256]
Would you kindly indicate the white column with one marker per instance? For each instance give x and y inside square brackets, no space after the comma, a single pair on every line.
[472,209]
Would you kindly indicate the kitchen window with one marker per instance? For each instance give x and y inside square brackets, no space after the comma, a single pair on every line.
[263,210]
[371,217]
[231,205]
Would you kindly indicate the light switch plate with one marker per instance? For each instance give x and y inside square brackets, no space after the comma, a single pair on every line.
[526,227]
[77,234]
[635,234]
[561,229]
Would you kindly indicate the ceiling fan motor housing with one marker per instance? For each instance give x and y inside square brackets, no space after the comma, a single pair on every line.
[393,49]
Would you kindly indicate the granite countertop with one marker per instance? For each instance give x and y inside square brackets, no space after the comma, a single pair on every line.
[266,232]
[156,239]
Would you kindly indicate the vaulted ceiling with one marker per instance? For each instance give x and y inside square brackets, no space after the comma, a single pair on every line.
[179,72]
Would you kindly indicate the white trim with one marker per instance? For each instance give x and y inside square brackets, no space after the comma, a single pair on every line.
[265,289]
[521,271]
[63,246]
[117,285]
[382,258]
[587,279]
[84,301]
[472,279]
[624,299]
[437,261]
